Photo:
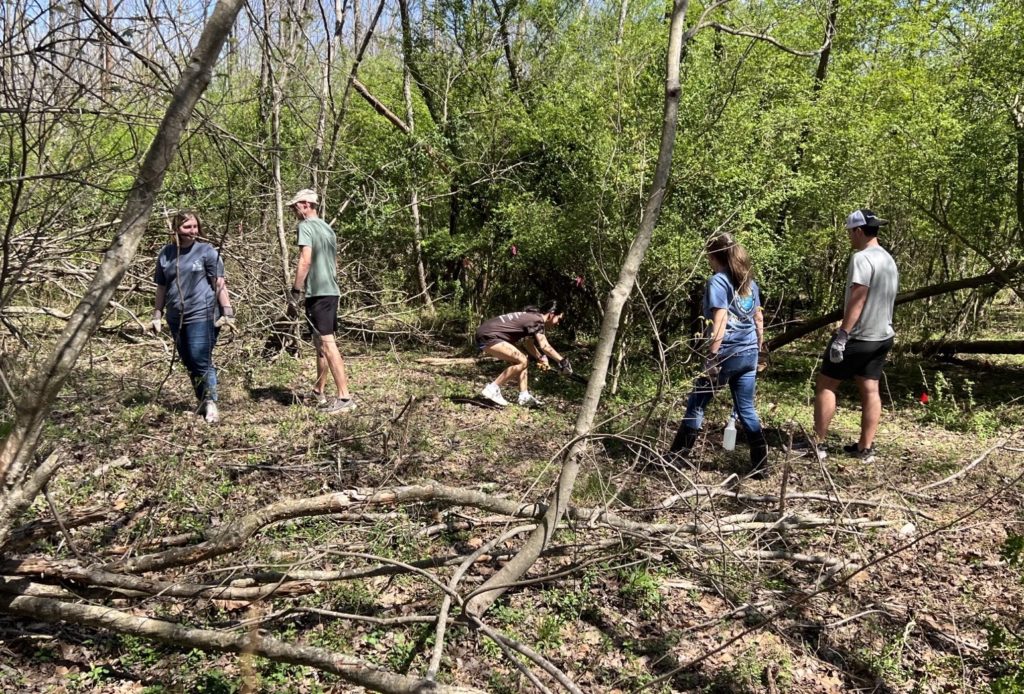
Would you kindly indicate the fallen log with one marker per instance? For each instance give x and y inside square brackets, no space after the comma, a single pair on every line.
[951,347]
[806,327]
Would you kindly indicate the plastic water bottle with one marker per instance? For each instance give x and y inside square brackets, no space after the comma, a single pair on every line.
[729,439]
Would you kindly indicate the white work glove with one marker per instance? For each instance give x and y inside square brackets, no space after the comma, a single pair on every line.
[156,323]
[227,318]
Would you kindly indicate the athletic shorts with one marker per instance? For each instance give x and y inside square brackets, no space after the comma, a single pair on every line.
[322,314]
[862,358]
[485,341]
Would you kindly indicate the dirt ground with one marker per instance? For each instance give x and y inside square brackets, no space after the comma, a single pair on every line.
[898,576]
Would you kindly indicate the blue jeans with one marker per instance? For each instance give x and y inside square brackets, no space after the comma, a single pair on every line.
[194,342]
[739,372]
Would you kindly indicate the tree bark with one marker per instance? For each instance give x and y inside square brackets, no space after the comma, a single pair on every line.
[42,387]
[414,199]
[495,586]
[1017,119]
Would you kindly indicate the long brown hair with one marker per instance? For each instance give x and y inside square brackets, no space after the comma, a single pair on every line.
[182,217]
[735,259]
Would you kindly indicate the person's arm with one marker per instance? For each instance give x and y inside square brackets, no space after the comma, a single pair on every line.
[531,348]
[854,307]
[155,322]
[302,269]
[719,318]
[759,327]
[546,348]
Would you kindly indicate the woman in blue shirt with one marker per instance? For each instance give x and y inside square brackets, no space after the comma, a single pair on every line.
[732,312]
[190,286]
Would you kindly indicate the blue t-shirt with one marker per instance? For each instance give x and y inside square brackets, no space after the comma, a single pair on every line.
[740,329]
[190,277]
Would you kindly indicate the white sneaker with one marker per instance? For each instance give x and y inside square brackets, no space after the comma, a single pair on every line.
[493,393]
[212,415]
[527,400]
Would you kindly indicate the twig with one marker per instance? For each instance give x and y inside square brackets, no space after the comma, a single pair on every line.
[964,471]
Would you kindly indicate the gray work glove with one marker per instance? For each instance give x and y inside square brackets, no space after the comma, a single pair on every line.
[295,297]
[565,367]
[227,318]
[837,348]
[156,323]
[712,367]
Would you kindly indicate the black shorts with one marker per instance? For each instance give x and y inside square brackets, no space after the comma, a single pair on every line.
[485,341]
[322,314]
[862,358]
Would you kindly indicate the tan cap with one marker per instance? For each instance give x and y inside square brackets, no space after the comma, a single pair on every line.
[305,195]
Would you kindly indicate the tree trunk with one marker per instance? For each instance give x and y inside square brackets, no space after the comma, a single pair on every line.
[805,132]
[493,588]
[414,200]
[1017,119]
[41,388]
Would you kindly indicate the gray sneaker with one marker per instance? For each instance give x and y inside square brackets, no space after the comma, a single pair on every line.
[338,406]
[317,397]
[527,400]
[804,447]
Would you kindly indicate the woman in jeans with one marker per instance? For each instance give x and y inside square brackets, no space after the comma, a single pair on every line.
[190,286]
[732,311]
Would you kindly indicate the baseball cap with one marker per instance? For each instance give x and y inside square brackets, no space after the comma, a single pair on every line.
[305,195]
[864,218]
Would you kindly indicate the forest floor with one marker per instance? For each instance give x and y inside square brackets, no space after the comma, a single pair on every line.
[937,608]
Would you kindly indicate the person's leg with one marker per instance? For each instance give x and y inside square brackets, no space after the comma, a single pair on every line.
[518,369]
[824,404]
[335,363]
[321,365]
[201,338]
[742,385]
[689,427]
[182,344]
[870,411]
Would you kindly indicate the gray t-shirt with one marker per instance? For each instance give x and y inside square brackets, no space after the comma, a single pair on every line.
[319,236]
[189,277]
[874,268]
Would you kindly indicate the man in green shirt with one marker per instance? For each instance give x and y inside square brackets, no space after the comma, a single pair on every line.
[315,279]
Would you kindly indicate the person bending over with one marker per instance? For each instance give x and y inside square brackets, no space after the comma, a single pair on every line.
[498,336]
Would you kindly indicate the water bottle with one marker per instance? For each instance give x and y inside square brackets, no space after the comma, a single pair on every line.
[729,439]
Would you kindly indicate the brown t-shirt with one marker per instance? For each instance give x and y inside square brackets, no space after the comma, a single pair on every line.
[509,327]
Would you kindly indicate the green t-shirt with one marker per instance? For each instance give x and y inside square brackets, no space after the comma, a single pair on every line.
[316,234]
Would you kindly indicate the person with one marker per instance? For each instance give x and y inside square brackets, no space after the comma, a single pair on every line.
[859,346]
[190,286]
[316,289]
[735,332]
[497,336]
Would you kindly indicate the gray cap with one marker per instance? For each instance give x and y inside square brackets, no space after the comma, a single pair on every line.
[864,218]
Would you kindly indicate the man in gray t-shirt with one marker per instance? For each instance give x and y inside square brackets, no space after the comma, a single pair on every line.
[858,348]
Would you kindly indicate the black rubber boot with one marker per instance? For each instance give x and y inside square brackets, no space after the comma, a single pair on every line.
[682,444]
[758,455]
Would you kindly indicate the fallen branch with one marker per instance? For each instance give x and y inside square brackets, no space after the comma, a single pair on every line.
[348,668]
